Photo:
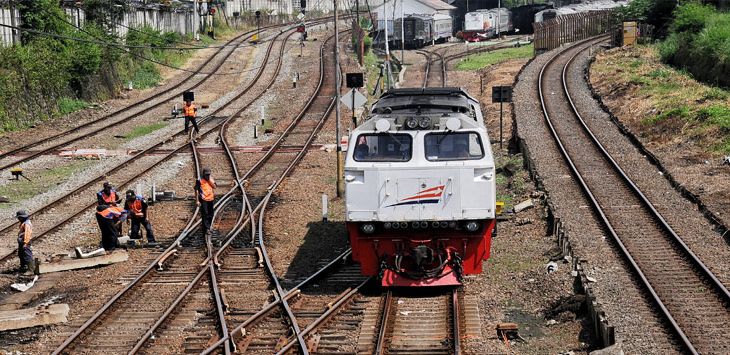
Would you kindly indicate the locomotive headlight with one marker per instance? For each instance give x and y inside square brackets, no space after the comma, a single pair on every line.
[472,226]
[411,123]
[367,228]
[424,122]
[386,225]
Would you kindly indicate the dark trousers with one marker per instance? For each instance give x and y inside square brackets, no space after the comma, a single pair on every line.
[206,213]
[188,121]
[134,230]
[109,233]
[25,254]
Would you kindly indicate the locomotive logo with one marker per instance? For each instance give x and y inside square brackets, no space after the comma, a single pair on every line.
[432,195]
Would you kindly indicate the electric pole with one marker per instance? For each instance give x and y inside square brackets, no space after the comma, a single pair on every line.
[338,79]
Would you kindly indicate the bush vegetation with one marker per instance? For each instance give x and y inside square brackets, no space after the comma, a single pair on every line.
[699,42]
[48,76]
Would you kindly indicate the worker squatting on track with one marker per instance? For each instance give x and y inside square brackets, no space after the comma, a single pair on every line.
[205,191]
[25,233]
[110,219]
[137,208]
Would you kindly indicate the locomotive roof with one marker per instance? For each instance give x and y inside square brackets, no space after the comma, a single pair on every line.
[414,97]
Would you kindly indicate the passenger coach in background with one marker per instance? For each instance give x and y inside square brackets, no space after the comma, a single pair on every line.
[420,188]
[422,30]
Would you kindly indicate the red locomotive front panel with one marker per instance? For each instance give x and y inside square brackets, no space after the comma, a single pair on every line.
[415,256]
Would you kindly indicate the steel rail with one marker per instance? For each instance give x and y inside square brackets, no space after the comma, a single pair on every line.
[114,169]
[171,90]
[664,224]
[675,238]
[427,67]
[384,320]
[456,321]
[246,35]
[270,306]
[260,208]
[191,225]
[210,262]
[594,202]
[213,261]
[329,312]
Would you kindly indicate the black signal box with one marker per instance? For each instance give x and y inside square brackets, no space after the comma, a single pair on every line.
[501,94]
[354,80]
[188,96]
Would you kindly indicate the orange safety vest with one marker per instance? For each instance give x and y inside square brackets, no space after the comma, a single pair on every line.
[135,207]
[206,190]
[112,212]
[189,111]
[111,198]
[25,234]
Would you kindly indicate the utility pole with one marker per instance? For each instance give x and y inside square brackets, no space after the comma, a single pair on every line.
[387,48]
[402,35]
[338,79]
[499,19]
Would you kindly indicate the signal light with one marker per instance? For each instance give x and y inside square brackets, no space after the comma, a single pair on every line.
[302,3]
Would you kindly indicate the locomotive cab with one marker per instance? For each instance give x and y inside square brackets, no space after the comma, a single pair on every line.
[420,189]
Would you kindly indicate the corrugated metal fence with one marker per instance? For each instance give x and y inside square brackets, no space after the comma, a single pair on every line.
[563,29]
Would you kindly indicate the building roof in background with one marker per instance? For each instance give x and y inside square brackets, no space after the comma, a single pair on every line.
[437,4]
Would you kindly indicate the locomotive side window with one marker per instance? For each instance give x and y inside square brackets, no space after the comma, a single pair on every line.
[453,146]
[383,148]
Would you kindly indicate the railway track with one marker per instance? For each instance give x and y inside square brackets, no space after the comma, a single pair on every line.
[689,297]
[434,76]
[414,324]
[49,219]
[437,77]
[235,249]
[190,82]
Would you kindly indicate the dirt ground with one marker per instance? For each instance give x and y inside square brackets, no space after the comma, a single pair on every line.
[685,151]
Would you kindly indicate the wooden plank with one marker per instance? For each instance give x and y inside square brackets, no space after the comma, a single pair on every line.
[31,317]
[73,264]
[20,299]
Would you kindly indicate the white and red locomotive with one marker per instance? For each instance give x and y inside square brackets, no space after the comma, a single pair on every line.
[420,188]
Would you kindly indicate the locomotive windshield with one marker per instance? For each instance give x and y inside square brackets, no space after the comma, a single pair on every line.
[383,147]
[453,146]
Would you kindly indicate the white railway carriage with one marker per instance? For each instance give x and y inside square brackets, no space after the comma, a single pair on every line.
[420,188]
[442,25]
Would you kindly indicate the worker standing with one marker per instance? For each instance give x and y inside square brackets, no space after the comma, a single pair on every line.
[25,234]
[204,189]
[107,196]
[189,111]
[110,219]
[137,208]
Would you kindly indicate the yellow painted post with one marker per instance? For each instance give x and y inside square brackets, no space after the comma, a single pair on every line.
[629,33]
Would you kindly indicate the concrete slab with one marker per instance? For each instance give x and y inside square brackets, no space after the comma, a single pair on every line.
[31,317]
[73,264]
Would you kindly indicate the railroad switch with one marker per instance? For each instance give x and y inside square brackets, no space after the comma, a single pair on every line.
[17,172]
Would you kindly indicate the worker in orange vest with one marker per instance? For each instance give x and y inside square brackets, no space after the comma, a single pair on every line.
[205,191]
[110,220]
[25,234]
[137,208]
[189,111]
[107,196]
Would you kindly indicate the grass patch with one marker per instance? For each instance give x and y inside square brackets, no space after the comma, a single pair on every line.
[482,60]
[67,105]
[41,181]
[697,110]
[144,130]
